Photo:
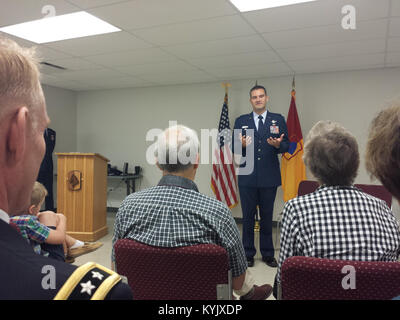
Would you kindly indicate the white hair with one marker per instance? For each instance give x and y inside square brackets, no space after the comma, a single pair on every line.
[177,148]
[19,78]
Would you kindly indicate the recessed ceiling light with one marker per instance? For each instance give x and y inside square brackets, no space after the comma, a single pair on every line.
[251,5]
[67,26]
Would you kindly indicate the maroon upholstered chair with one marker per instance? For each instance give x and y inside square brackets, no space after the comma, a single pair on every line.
[199,272]
[377,191]
[306,187]
[309,278]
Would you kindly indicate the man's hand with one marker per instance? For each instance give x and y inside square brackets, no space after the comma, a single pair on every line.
[245,140]
[275,142]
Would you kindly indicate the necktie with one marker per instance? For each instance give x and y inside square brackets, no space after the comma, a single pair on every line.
[261,127]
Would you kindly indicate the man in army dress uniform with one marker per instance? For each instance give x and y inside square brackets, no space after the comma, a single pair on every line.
[23,119]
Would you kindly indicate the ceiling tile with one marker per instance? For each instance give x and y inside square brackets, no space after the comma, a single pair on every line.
[222,47]
[18,11]
[86,75]
[201,30]
[338,63]
[157,68]
[334,50]
[394,44]
[393,59]
[111,42]
[46,53]
[243,59]
[394,29]
[395,8]
[311,14]
[74,64]
[326,34]
[120,82]
[256,71]
[87,4]
[149,13]
[193,76]
[126,58]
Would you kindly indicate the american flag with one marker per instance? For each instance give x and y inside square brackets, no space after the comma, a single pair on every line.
[223,177]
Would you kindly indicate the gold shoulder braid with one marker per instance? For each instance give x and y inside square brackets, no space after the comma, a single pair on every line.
[88,282]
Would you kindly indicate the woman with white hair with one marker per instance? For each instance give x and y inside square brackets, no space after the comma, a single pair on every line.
[337,221]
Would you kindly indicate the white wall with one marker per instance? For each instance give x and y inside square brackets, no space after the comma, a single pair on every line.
[114,123]
[61,108]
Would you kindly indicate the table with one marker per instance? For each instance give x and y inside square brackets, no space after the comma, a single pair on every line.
[129,180]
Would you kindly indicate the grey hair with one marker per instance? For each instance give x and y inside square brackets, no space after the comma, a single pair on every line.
[331,154]
[19,78]
[177,148]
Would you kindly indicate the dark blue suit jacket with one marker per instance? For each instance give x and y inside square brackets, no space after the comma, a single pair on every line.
[266,171]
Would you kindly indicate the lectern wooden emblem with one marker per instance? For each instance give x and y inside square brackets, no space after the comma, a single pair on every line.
[74,180]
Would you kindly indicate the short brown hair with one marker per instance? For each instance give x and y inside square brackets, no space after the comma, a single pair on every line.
[383,148]
[331,154]
[39,192]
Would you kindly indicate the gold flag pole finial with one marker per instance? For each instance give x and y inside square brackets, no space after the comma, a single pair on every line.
[294,87]
[226,85]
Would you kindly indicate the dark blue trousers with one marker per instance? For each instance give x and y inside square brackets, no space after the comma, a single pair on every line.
[264,198]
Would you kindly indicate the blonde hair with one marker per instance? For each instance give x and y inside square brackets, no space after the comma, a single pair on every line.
[19,78]
[383,148]
[39,192]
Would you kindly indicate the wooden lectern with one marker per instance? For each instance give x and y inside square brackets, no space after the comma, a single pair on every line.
[82,194]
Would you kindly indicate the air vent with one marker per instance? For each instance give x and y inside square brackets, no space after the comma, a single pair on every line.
[49,68]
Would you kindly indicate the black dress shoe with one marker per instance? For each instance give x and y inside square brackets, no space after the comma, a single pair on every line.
[270,261]
[250,262]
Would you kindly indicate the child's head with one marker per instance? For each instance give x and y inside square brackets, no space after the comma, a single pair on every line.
[39,193]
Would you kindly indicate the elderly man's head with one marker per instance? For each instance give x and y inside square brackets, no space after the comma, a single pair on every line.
[383,148]
[177,149]
[331,154]
[23,118]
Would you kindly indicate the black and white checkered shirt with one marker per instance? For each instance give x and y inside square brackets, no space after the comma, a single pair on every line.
[341,223]
[175,214]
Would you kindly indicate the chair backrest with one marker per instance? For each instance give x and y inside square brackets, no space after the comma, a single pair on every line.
[309,278]
[377,191]
[306,187]
[199,272]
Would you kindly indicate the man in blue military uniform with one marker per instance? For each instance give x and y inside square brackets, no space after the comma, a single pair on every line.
[23,119]
[45,176]
[263,134]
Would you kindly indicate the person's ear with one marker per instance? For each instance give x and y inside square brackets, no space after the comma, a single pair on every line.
[158,165]
[266,98]
[31,210]
[16,138]
[196,164]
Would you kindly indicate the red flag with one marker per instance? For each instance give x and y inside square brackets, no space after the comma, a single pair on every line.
[293,170]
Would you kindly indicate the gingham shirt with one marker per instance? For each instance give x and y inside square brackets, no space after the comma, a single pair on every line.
[341,223]
[32,231]
[175,214]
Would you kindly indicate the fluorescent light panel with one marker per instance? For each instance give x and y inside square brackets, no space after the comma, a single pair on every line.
[251,5]
[67,26]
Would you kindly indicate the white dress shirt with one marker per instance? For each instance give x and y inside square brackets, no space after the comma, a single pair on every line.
[255,116]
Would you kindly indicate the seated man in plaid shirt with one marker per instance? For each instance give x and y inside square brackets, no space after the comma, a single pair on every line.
[337,221]
[174,213]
